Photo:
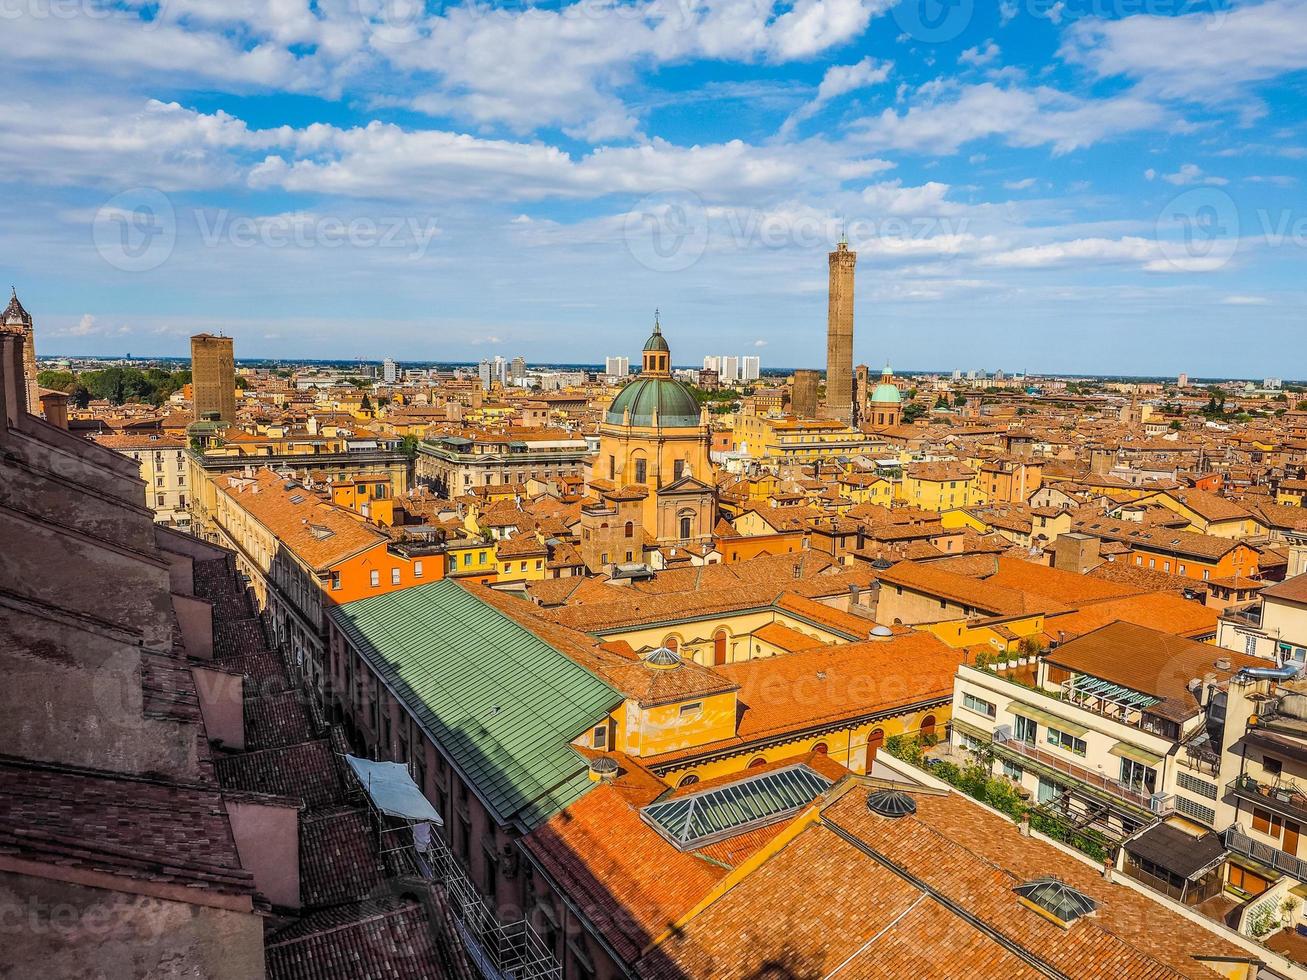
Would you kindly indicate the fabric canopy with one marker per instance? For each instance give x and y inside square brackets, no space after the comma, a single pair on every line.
[393,791]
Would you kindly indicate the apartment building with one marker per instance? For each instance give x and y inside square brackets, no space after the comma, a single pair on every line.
[165,470]
[454,464]
[1119,726]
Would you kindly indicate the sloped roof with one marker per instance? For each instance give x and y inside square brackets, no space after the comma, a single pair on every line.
[504,703]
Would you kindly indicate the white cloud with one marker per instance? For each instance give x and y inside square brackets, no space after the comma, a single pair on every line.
[1150,174]
[1191,173]
[1023,184]
[979,55]
[1238,300]
[1209,57]
[893,198]
[945,117]
[1148,254]
[760,343]
[839,80]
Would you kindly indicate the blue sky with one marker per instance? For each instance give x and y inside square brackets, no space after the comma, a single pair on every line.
[1106,186]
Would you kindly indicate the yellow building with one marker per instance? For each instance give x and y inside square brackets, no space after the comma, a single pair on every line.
[938,486]
[787,439]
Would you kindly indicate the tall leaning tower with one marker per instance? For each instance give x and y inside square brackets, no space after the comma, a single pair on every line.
[15,319]
[839,333]
[213,376]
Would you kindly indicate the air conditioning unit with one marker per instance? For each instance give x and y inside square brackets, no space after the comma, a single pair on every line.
[1160,803]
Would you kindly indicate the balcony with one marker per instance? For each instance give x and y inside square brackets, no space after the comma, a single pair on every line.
[1284,797]
[1266,854]
[1059,765]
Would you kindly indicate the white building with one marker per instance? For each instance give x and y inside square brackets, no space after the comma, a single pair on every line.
[617,367]
[730,370]
[388,371]
[713,362]
[750,368]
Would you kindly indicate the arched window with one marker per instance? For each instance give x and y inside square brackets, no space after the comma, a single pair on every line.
[928,727]
[689,780]
[672,643]
[629,530]
[758,763]
[821,748]
[719,648]
[874,741]
[686,522]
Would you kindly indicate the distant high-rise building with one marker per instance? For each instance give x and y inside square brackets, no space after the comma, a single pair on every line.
[839,333]
[213,376]
[713,362]
[803,398]
[17,320]
[485,371]
[517,371]
[1182,381]
[957,375]
[730,369]
[388,371]
[617,367]
[999,375]
[750,368]
[1273,384]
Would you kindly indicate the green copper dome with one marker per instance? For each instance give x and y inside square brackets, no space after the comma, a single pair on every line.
[656,342]
[886,394]
[675,405]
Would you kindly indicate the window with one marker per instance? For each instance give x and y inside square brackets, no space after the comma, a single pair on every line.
[689,780]
[1250,645]
[1246,881]
[1027,730]
[600,737]
[394,576]
[467,558]
[1066,741]
[757,763]
[482,556]
[375,577]
[1273,767]
[973,703]
[1206,574]
[678,469]
[692,710]
[1195,785]
[629,530]
[719,648]
[1012,771]
[1181,569]
[335,581]
[1138,776]
[417,569]
[1199,812]
[641,470]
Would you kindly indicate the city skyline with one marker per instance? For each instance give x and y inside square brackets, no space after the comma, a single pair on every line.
[1036,184]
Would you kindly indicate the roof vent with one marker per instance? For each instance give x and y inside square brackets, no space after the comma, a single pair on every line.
[603,767]
[663,658]
[892,803]
[880,564]
[1056,900]
[881,632]
[1223,663]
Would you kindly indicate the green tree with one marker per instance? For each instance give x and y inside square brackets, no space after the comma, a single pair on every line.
[959,400]
[913,412]
[941,401]
[365,404]
[63,381]
[409,447]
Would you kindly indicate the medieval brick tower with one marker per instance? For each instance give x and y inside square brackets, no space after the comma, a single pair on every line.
[17,320]
[213,377]
[839,334]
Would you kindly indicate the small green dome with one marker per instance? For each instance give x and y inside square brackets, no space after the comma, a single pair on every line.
[656,341]
[675,405]
[886,394]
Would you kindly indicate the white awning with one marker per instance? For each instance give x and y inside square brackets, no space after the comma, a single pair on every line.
[393,791]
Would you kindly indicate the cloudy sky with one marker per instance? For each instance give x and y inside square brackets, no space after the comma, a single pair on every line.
[1111,186]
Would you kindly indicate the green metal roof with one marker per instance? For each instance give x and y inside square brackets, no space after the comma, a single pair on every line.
[503,703]
[714,814]
[675,405]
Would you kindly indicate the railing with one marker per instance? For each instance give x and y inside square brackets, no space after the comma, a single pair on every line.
[502,951]
[1285,798]
[1078,773]
[1266,854]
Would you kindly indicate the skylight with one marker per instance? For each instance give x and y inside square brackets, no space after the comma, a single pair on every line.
[715,814]
[1056,900]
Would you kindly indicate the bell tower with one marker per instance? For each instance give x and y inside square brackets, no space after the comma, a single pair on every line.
[17,320]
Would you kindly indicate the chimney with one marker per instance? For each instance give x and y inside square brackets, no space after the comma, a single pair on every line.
[1025,824]
[54,405]
[1109,866]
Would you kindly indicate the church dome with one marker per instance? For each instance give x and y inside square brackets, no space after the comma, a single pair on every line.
[886,394]
[673,402]
[656,341]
